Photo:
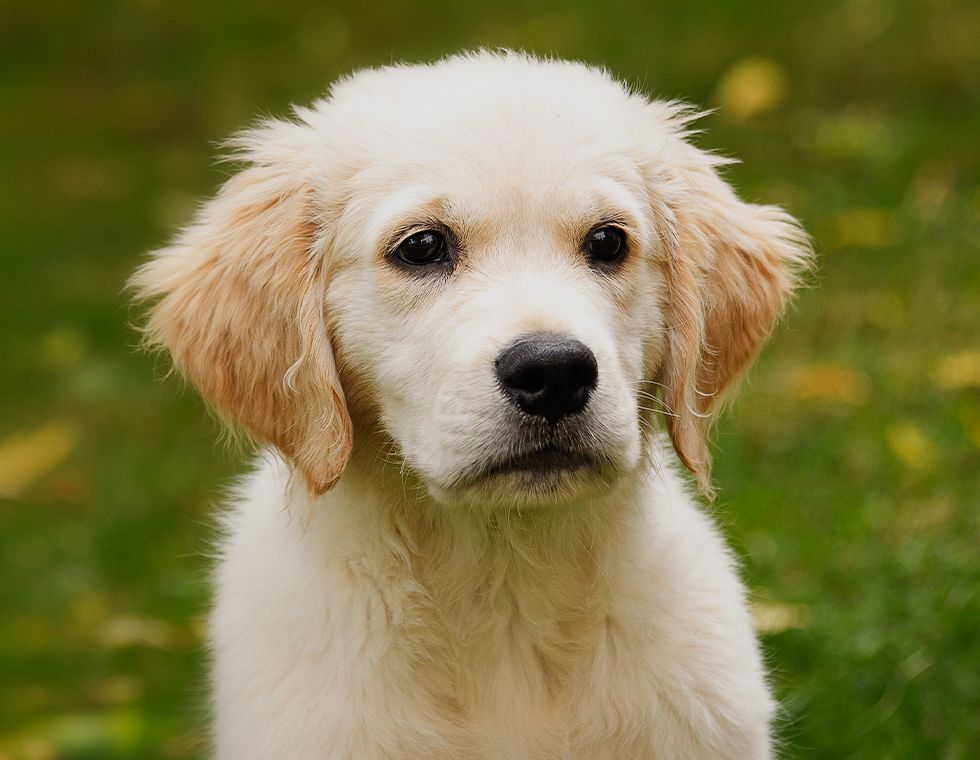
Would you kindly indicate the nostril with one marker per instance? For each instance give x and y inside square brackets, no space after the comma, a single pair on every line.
[528,377]
[583,371]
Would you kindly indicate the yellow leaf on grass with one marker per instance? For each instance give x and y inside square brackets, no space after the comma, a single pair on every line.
[833,382]
[911,446]
[25,457]
[750,88]
[772,617]
[958,370]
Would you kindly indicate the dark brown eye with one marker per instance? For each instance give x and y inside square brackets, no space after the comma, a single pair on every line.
[606,244]
[423,248]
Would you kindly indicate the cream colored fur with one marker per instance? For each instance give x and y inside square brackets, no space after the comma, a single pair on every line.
[375,598]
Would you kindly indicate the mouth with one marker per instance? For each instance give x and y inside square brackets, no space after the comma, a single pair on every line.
[546,460]
[544,468]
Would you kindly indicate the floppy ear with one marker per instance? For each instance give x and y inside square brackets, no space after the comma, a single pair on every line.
[238,302]
[732,267]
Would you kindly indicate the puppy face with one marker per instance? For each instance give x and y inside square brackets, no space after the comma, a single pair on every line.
[507,264]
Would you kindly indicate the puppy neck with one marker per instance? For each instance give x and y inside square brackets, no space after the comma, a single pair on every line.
[558,555]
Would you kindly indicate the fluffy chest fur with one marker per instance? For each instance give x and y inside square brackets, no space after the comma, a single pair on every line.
[355,635]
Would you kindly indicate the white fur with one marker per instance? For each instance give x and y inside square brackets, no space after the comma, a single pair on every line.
[375,598]
[328,645]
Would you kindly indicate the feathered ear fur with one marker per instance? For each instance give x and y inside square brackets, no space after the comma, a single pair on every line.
[238,302]
[731,268]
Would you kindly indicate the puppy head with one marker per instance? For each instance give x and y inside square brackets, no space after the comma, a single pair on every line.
[509,266]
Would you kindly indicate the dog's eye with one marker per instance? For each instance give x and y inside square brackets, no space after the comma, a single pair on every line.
[423,248]
[606,244]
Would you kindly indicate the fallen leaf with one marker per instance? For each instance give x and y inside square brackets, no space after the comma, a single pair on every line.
[773,617]
[25,457]
[833,382]
[958,370]
[911,446]
[751,88]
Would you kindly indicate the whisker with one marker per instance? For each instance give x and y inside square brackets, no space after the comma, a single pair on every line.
[654,382]
[664,412]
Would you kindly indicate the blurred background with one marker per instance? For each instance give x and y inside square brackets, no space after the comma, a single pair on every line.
[849,471]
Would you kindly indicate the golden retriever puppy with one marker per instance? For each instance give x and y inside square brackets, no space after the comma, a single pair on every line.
[455,302]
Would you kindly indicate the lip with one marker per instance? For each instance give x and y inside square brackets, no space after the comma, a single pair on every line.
[545,460]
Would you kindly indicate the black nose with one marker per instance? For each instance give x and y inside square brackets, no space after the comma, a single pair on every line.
[548,375]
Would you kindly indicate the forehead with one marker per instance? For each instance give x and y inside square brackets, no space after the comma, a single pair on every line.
[489,137]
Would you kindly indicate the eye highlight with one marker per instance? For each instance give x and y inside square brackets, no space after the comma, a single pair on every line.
[606,245]
[423,248]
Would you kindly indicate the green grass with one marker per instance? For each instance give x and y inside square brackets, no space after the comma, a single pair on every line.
[849,470]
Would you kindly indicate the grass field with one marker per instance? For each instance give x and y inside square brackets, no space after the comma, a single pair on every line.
[849,471]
